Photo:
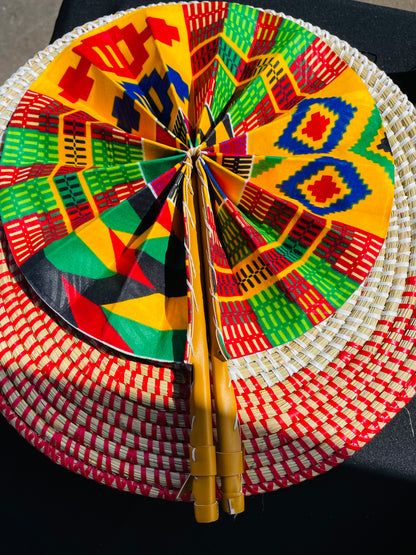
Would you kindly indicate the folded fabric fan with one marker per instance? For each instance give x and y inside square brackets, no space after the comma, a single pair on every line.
[199,187]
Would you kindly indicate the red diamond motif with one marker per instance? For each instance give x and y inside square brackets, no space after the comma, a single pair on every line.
[324,189]
[316,126]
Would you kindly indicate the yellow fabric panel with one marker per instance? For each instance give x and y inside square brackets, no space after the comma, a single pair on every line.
[155,311]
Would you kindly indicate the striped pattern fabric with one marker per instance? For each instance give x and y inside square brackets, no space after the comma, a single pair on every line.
[304,406]
[283,139]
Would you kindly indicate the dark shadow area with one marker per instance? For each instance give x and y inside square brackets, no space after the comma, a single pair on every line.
[364,506]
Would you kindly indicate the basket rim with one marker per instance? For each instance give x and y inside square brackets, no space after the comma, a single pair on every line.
[267,395]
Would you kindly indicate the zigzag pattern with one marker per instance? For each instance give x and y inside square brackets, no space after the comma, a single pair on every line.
[282,135]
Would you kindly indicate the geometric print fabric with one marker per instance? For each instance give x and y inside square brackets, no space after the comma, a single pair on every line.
[282,136]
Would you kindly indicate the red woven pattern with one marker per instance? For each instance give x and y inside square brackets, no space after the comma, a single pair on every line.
[126,424]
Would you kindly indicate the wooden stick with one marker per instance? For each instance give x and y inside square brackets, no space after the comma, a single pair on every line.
[229,446]
[202,450]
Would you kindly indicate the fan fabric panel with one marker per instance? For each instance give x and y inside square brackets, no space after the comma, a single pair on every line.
[287,149]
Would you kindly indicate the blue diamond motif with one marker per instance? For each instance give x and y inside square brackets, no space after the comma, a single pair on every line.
[346,170]
[344,112]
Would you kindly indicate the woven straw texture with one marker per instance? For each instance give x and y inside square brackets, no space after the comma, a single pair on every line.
[303,407]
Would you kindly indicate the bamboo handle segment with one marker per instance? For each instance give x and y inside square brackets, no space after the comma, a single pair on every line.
[229,446]
[207,462]
[201,448]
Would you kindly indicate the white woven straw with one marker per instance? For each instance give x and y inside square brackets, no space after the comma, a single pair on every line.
[303,407]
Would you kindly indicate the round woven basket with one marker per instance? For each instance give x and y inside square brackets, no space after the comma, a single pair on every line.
[303,407]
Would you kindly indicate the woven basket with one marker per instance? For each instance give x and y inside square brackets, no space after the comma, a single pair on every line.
[303,407]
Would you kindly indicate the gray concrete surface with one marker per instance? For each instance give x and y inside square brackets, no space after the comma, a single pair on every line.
[409,5]
[26,27]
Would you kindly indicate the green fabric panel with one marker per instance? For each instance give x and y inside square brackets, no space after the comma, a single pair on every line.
[269,234]
[121,218]
[230,57]
[291,41]
[367,138]
[234,243]
[113,153]
[280,320]
[152,169]
[30,197]
[292,249]
[100,180]
[334,286]
[224,88]
[265,164]
[148,342]
[70,190]
[240,25]
[156,248]
[72,255]
[24,147]
[248,101]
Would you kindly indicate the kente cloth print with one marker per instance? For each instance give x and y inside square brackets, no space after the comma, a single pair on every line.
[281,137]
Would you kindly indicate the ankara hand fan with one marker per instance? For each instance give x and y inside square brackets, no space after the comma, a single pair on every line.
[197,183]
